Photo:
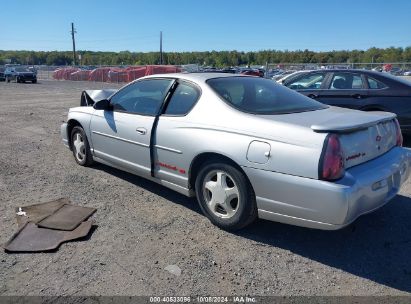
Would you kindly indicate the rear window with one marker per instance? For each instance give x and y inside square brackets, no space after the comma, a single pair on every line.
[262,96]
[375,84]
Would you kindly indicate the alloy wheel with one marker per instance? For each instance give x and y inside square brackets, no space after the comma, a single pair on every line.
[221,194]
[79,147]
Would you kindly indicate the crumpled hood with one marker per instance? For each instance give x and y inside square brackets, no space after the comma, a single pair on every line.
[90,97]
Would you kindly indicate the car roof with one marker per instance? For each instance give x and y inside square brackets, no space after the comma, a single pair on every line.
[346,71]
[195,77]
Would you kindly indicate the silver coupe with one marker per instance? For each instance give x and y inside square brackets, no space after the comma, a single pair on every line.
[246,147]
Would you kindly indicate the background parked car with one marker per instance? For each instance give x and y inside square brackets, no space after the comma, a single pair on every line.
[20,74]
[396,71]
[358,89]
[252,72]
[289,76]
[281,75]
[272,72]
[2,74]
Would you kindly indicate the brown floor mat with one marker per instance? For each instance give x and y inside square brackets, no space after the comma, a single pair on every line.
[67,217]
[31,238]
[36,213]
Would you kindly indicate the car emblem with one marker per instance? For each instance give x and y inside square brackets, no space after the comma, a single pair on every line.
[378,138]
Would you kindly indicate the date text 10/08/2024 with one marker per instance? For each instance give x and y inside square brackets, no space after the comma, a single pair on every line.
[203,299]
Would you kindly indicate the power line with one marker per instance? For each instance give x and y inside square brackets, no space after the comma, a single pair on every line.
[105,40]
[119,39]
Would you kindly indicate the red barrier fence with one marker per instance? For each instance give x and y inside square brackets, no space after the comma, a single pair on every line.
[64,73]
[99,74]
[80,75]
[113,74]
[136,72]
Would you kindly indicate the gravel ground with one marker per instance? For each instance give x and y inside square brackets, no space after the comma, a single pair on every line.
[142,227]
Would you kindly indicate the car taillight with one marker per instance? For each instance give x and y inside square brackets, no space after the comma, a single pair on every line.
[332,163]
[399,135]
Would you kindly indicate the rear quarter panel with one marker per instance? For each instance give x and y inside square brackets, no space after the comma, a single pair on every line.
[213,126]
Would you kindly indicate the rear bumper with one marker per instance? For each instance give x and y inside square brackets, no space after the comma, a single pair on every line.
[330,205]
[64,135]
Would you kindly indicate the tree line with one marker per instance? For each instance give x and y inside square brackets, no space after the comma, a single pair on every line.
[209,58]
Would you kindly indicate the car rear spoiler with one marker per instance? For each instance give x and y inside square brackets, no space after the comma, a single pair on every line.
[90,97]
[353,122]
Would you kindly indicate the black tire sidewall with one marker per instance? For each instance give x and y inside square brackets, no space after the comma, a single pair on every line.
[88,160]
[247,206]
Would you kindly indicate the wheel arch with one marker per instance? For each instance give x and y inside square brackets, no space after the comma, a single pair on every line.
[202,158]
[70,125]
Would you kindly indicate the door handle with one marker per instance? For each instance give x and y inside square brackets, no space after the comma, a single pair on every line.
[313,96]
[141,131]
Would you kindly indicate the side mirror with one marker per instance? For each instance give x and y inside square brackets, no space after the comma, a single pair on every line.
[103,104]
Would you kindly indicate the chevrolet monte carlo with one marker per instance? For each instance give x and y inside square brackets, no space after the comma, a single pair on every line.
[245,147]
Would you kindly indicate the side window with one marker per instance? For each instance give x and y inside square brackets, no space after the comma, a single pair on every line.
[375,84]
[183,99]
[346,81]
[307,82]
[143,97]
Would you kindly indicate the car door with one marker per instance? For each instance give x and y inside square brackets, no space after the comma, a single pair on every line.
[307,84]
[344,89]
[390,95]
[171,148]
[121,136]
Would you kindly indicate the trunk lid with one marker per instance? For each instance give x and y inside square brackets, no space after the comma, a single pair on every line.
[352,121]
[368,143]
[363,135]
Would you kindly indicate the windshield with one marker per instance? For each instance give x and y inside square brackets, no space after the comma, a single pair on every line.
[21,69]
[262,96]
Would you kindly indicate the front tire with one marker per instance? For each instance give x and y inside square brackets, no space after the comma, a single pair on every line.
[225,196]
[81,147]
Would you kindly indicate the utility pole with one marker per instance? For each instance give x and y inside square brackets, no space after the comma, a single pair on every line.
[74,43]
[161,47]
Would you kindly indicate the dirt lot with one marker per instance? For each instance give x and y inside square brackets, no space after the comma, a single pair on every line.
[143,227]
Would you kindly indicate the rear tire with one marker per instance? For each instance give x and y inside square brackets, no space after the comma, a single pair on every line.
[81,148]
[34,81]
[225,196]
[7,79]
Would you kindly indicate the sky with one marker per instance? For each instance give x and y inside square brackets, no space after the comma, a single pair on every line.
[205,25]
